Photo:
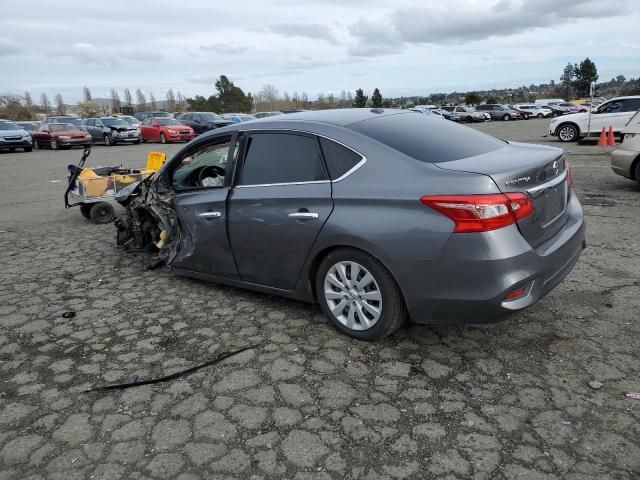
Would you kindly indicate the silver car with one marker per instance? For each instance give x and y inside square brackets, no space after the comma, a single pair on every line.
[625,160]
[13,136]
[378,215]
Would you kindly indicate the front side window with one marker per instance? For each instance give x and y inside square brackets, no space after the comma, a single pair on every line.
[204,168]
[612,107]
[281,158]
[146,121]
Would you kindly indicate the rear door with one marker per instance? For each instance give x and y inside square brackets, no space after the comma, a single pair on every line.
[281,200]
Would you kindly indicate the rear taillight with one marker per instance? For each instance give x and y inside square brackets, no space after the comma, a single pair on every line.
[569,175]
[481,213]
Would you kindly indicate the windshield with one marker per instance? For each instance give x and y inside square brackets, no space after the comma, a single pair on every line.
[245,118]
[61,127]
[114,122]
[210,117]
[130,120]
[68,120]
[427,139]
[8,126]
[168,121]
[159,114]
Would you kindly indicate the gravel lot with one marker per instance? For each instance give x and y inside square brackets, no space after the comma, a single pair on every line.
[504,401]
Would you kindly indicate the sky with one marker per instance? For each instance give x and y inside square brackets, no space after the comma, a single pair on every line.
[403,47]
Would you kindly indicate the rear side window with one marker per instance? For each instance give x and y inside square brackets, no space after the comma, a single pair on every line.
[281,158]
[339,159]
[427,139]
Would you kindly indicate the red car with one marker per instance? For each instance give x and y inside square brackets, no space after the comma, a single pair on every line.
[165,130]
[60,135]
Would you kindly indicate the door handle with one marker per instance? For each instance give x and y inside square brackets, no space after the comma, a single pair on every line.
[304,215]
[210,214]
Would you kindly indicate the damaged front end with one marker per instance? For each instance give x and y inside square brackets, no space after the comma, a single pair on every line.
[150,224]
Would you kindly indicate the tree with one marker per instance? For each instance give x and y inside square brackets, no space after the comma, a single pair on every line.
[86,94]
[128,100]
[28,102]
[46,104]
[585,73]
[141,101]
[88,109]
[232,98]
[472,98]
[376,99]
[492,99]
[152,102]
[181,102]
[567,79]
[11,107]
[115,101]
[60,107]
[171,101]
[360,100]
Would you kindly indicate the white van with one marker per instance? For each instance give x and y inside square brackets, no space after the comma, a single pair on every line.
[614,113]
[549,101]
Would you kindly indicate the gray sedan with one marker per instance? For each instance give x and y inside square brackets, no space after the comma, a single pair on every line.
[378,215]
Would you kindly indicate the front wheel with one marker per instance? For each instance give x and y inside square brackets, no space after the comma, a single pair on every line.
[506,117]
[27,149]
[568,133]
[102,212]
[54,144]
[359,295]
[108,141]
[163,138]
[469,119]
[540,115]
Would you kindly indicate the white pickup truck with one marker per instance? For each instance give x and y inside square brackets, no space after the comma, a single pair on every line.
[614,113]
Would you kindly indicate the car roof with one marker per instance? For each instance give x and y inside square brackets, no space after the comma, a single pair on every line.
[340,117]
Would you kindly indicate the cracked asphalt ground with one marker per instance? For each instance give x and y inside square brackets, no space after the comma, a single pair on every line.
[504,401]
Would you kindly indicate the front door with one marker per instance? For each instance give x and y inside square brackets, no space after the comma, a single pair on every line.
[278,207]
[201,187]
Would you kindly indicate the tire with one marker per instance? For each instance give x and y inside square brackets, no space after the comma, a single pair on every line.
[540,115]
[108,141]
[53,143]
[85,210]
[637,172]
[469,119]
[567,132]
[365,325]
[102,212]
[27,149]
[35,145]
[137,142]
[11,150]
[163,138]
[506,117]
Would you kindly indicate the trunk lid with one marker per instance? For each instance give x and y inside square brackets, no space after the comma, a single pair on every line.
[536,170]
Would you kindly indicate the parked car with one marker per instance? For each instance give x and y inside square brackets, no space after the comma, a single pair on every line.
[424,111]
[625,160]
[498,112]
[165,130]
[133,121]
[202,122]
[523,113]
[438,112]
[549,101]
[537,111]
[466,114]
[266,114]
[466,228]
[142,115]
[293,110]
[573,107]
[60,135]
[13,136]
[29,126]
[557,110]
[238,117]
[614,113]
[68,119]
[112,130]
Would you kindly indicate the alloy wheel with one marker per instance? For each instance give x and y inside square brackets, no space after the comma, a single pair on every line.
[353,295]
[54,144]
[567,133]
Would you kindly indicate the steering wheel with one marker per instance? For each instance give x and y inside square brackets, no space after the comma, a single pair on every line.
[210,171]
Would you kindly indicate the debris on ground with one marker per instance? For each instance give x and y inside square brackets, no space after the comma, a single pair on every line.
[68,314]
[595,384]
[634,395]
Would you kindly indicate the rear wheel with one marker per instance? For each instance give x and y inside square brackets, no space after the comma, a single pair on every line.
[163,138]
[102,212]
[568,133]
[506,117]
[359,295]
[85,210]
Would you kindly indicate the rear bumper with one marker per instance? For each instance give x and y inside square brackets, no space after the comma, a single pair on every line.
[468,281]
[622,161]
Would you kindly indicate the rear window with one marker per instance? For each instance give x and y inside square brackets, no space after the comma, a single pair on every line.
[427,139]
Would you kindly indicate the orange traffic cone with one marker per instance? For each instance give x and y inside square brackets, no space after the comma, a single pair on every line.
[610,140]
[602,142]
